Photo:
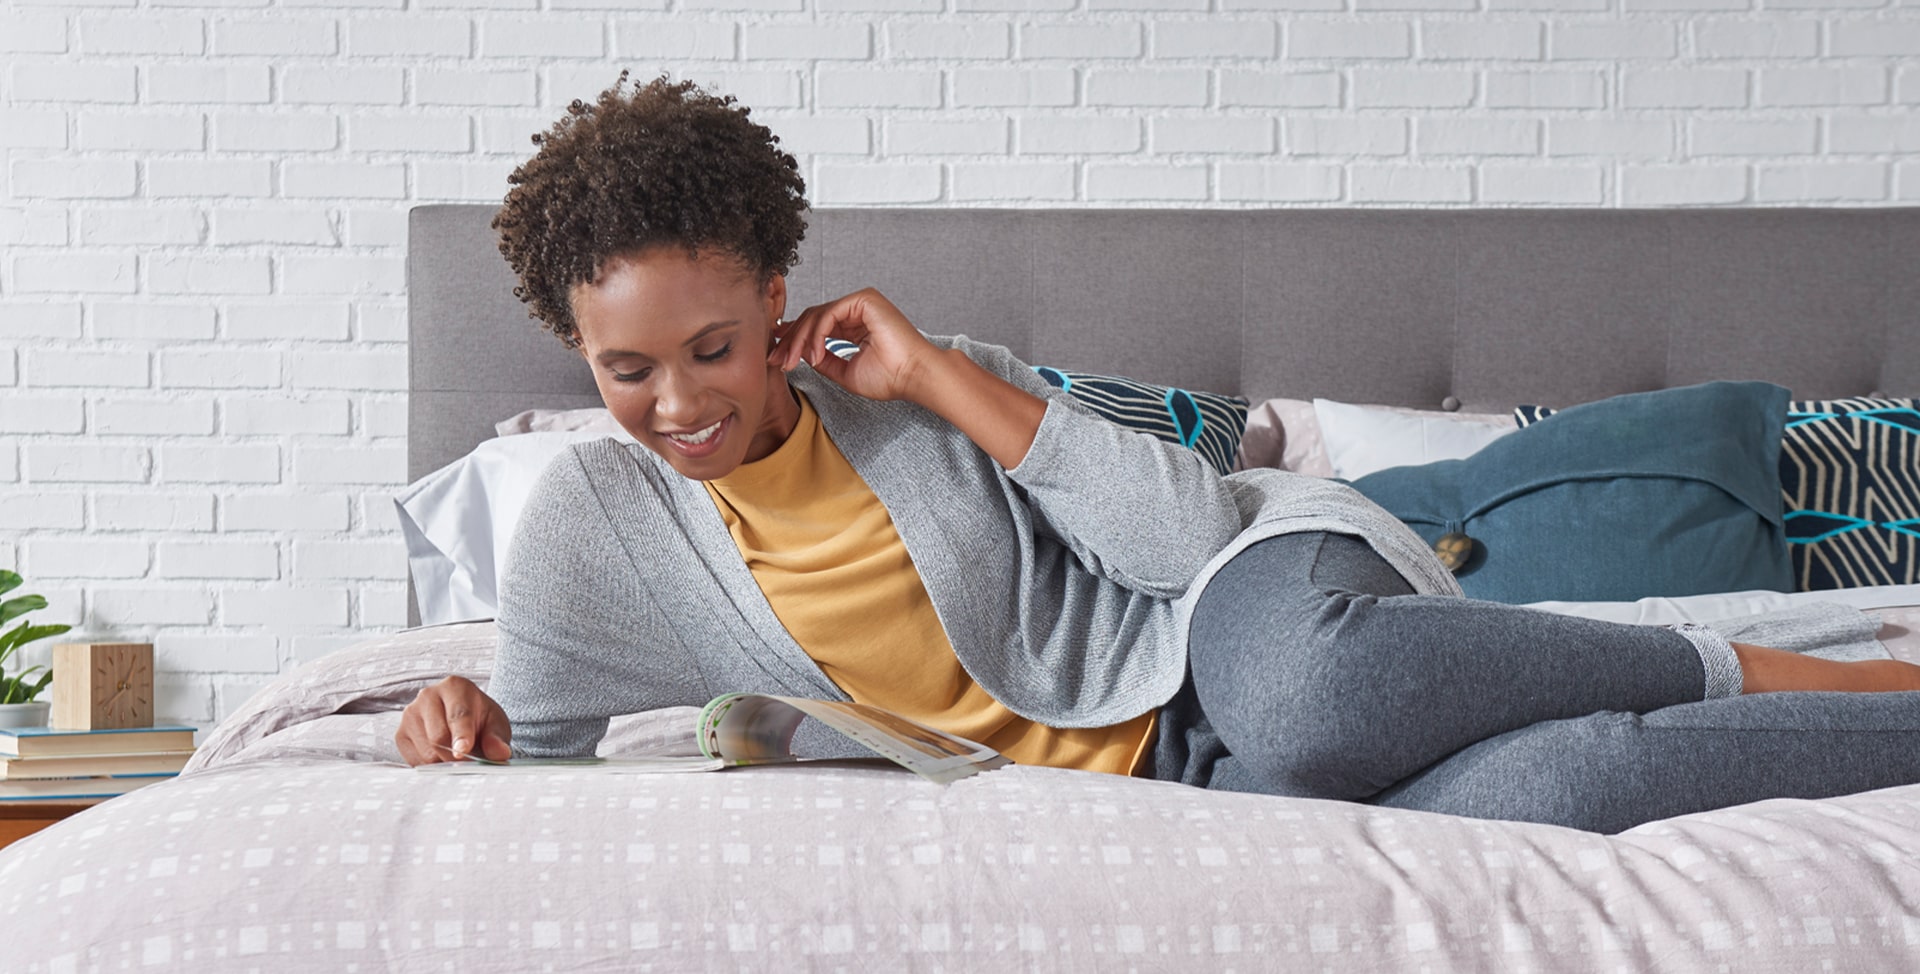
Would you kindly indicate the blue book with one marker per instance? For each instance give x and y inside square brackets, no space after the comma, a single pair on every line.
[56,789]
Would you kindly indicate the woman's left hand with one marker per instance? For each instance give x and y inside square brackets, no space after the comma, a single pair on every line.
[892,355]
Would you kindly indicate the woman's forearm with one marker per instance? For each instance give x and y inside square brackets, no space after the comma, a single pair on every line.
[1091,483]
[998,416]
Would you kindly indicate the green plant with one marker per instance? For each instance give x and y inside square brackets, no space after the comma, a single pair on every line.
[21,688]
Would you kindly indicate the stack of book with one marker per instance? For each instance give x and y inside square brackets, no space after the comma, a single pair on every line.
[43,764]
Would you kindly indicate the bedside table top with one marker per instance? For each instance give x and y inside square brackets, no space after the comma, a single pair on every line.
[60,808]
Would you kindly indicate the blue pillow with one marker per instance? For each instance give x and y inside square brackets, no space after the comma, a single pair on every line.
[1206,423]
[1850,483]
[1614,500]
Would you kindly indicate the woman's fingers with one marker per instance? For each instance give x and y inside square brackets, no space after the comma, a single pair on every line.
[855,317]
[426,726]
[403,741]
[806,337]
[836,369]
[450,720]
[460,726]
[471,713]
[496,733]
[415,746]
[888,343]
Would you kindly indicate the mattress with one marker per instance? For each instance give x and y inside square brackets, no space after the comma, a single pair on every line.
[297,841]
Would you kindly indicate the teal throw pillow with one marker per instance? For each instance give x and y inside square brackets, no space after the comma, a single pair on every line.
[1614,500]
[1850,484]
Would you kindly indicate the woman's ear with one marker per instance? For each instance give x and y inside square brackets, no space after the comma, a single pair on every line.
[776,298]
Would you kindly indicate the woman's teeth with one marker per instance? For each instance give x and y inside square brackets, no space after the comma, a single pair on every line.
[697,438]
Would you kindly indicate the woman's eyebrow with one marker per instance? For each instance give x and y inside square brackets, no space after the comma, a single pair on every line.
[614,353]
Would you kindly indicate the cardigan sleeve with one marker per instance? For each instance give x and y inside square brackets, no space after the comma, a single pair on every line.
[579,639]
[1141,512]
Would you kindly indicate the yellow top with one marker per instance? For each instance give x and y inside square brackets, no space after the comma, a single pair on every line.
[825,552]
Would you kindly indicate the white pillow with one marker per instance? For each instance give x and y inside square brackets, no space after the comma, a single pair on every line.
[1362,439]
[1286,433]
[593,419]
[458,521]
[1283,433]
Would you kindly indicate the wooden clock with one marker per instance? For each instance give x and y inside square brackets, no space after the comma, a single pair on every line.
[102,686]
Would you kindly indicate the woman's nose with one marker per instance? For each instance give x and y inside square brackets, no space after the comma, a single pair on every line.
[680,398]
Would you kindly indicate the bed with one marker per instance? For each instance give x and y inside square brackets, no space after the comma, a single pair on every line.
[296,841]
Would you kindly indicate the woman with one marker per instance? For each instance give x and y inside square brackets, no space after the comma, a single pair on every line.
[928,526]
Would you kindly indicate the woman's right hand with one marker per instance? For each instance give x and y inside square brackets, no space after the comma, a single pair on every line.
[444,722]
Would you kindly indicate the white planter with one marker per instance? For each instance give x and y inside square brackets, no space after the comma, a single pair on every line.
[24,714]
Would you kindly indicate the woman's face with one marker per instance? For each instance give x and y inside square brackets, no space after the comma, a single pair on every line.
[679,349]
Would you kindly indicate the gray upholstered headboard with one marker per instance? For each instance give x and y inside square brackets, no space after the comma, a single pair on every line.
[1479,309]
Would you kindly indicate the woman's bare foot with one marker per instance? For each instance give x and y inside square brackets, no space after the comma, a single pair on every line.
[1764,670]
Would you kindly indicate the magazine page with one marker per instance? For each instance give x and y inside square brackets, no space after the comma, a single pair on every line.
[752,728]
[652,764]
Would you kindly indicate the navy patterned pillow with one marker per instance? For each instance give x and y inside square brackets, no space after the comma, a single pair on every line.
[1529,415]
[1850,480]
[1206,423]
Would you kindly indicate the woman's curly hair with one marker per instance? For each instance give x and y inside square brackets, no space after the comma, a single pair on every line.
[667,164]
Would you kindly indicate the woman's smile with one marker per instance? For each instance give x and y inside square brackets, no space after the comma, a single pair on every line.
[700,442]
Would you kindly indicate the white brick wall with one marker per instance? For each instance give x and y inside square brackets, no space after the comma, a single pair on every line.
[203,208]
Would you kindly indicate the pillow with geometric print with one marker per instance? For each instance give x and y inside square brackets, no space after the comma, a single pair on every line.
[1850,481]
[1208,423]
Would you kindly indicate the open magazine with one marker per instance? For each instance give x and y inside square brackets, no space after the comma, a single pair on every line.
[737,729]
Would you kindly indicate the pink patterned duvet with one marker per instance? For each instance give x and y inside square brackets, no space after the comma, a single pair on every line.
[297,842]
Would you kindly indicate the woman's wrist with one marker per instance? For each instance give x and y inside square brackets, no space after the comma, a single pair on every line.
[933,373]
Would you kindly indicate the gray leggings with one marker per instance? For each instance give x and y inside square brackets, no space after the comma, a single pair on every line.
[1315,671]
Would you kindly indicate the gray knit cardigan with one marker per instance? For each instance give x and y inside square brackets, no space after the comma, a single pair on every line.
[1065,584]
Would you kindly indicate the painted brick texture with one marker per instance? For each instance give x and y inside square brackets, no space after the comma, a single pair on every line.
[202,208]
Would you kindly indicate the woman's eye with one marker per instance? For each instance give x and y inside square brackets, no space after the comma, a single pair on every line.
[640,375]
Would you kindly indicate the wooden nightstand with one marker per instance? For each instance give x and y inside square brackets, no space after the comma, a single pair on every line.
[21,819]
